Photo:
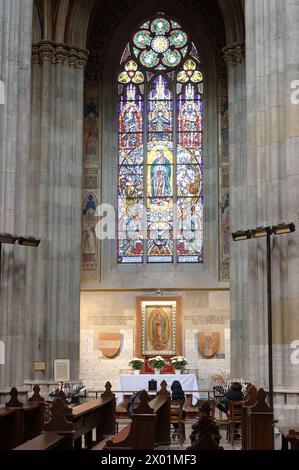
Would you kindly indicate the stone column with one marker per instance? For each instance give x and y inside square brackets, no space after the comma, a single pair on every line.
[234,56]
[53,302]
[272,38]
[15,72]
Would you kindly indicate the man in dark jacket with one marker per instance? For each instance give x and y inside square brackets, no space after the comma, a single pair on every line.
[234,393]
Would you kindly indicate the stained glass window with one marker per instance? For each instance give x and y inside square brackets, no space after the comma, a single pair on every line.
[160,159]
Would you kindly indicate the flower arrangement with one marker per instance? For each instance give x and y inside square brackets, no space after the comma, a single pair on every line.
[178,362]
[136,363]
[157,362]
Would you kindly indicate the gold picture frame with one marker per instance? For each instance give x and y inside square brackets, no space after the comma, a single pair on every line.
[158,326]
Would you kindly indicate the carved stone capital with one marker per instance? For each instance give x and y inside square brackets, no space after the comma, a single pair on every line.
[234,54]
[48,51]
[61,53]
[35,55]
[73,57]
[82,59]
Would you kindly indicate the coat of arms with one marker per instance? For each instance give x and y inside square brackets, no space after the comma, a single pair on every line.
[109,344]
[208,343]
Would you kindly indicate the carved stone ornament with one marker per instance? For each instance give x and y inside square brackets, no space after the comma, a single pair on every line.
[234,54]
[58,53]
[208,343]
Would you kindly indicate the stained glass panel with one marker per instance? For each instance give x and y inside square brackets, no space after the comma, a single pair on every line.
[178,39]
[172,58]
[160,172]
[160,116]
[130,249]
[174,24]
[136,52]
[130,214]
[190,139]
[131,181]
[160,26]
[130,116]
[149,59]
[186,156]
[160,251]
[190,116]
[129,141]
[194,52]
[159,137]
[160,185]
[126,54]
[184,51]
[160,44]
[160,89]
[189,180]
[146,25]
[190,230]
[131,155]
[142,39]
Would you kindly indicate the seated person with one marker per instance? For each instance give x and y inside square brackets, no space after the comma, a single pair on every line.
[133,402]
[177,394]
[234,393]
[177,391]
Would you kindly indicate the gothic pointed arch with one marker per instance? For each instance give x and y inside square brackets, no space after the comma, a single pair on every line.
[160,177]
[108,36]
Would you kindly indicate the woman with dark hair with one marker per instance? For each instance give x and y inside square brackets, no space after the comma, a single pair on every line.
[178,414]
[177,391]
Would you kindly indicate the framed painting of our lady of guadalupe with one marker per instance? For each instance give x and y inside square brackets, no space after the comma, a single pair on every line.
[158,326]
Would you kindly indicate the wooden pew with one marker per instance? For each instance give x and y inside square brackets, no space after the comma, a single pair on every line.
[34,415]
[19,422]
[68,425]
[58,433]
[97,414]
[46,441]
[149,427]
[258,424]
[249,400]
[11,428]
[161,407]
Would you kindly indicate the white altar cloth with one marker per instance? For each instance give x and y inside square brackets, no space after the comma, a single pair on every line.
[133,383]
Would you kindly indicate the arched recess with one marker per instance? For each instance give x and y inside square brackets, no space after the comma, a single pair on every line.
[37,23]
[78,22]
[100,86]
[61,17]
[233,17]
[63,21]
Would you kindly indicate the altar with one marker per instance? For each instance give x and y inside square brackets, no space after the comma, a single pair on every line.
[134,383]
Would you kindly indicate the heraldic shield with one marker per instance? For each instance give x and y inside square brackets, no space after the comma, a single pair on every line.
[109,344]
[208,343]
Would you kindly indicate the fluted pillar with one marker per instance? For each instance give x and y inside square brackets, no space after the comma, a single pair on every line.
[53,302]
[15,72]
[234,56]
[272,38]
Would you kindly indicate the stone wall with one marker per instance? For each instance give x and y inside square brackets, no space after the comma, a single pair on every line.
[115,311]
[269,171]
